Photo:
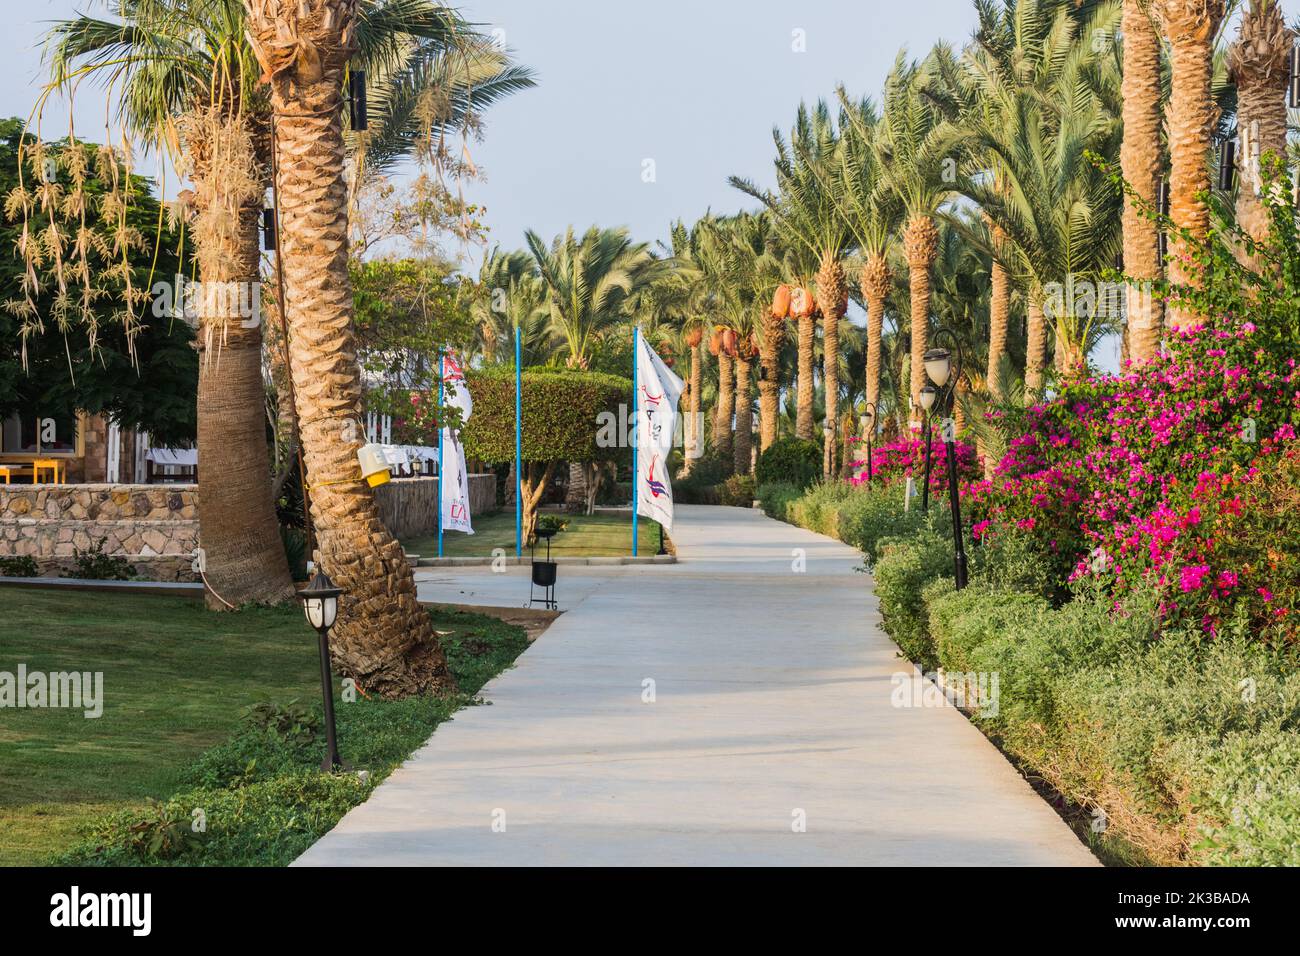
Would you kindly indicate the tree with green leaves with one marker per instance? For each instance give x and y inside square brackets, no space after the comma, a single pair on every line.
[806,212]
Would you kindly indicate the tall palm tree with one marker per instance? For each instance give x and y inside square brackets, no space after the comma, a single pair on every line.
[384,637]
[1139,159]
[1258,64]
[1191,27]
[873,213]
[745,275]
[913,162]
[591,285]
[694,295]
[806,211]
[189,85]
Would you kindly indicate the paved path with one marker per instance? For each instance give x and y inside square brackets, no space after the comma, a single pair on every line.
[772,703]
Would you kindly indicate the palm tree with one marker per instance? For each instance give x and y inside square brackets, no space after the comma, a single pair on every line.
[511,296]
[1139,159]
[383,637]
[913,162]
[806,211]
[1190,26]
[744,274]
[189,86]
[1258,63]
[693,292]
[591,284]
[873,213]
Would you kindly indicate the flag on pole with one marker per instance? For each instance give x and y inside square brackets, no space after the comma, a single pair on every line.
[453,483]
[659,389]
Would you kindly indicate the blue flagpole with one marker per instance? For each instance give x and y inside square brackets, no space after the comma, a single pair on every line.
[519,450]
[636,424]
[442,482]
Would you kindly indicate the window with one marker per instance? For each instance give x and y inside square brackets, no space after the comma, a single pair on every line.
[34,434]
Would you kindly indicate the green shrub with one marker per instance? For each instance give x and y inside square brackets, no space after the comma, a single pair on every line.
[792,461]
[1013,561]
[93,564]
[738,490]
[777,498]
[905,567]
[961,621]
[20,566]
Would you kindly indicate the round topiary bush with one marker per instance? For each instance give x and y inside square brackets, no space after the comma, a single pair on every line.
[794,461]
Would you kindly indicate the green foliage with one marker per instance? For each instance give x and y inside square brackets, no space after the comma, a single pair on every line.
[777,498]
[738,491]
[20,566]
[295,550]
[94,565]
[861,515]
[562,415]
[905,567]
[155,390]
[790,460]
[553,523]
[262,793]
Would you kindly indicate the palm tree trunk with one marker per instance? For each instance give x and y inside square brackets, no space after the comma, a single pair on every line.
[832,300]
[803,423]
[383,638]
[1258,62]
[769,385]
[694,423]
[1139,159]
[575,495]
[723,410]
[1190,26]
[921,243]
[243,555]
[876,282]
[744,417]
[1036,349]
[999,319]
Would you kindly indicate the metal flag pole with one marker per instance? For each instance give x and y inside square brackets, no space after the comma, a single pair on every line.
[636,425]
[519,450]
[442,482]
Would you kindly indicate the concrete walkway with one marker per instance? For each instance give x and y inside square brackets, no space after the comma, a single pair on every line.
[772,706]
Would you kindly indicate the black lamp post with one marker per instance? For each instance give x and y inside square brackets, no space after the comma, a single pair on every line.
[929,394]
[868,425]
[320,602]
[941,370]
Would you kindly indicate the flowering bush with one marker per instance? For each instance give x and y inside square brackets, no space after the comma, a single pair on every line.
[904,458]
[1158,475]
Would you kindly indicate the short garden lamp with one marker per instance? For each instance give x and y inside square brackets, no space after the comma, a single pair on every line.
[320,603]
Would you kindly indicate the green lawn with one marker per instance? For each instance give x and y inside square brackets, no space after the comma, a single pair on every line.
[587,536]
[176,680]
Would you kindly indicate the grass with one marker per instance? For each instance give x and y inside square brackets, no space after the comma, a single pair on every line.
[177,682]
[587,536]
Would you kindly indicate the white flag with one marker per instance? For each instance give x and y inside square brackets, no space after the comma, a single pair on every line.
[658,390]
[453,482]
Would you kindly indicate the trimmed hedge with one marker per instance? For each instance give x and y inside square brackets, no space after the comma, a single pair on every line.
[561,412]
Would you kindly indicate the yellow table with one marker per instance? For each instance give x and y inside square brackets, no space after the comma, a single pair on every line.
[7,472]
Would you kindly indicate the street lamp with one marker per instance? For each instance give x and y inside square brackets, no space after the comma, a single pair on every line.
[929,394]
[320,603]
[867,424]
[939,366]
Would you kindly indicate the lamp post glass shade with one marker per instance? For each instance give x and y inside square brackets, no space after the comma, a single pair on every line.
[938,366]
[928,396]
[320,601]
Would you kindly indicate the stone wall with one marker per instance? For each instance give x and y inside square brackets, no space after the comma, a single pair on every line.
[409,506]
[156,527]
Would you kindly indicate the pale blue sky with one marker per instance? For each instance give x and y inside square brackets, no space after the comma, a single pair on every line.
[693,86]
